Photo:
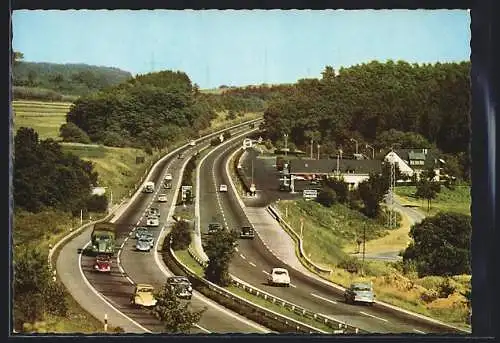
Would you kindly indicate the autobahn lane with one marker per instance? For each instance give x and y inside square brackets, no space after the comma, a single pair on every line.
[116,287]
[142,268]
[253,260]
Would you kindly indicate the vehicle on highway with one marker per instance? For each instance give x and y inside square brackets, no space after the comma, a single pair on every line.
[143,244]
[247,232]
[223,188]
[279,277]
[149,187]
[167,184]
[168,177]
[214,227]
[360,292]
[192,143]
[162,197]
[154,211]
[103,238]
[102,263]
[139,231]
[181,286]
[149,237]
[143,295]
[153,221]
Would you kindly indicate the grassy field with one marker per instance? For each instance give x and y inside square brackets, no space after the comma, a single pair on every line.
[328,236]
[45,117]
[458,200]
[220,121]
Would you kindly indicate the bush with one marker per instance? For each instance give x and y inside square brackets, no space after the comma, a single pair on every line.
[181,235]
[351,264]
[446,288]
[55,299]
[215,142]
[327,197]
[72,133]
[97,203]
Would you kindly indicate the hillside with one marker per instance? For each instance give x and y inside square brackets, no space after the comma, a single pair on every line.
[68,79]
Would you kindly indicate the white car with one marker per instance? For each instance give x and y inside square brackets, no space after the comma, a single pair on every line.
[223,188]
[153,221]
[143,244]
[279,276]
[162,197]
[168,177]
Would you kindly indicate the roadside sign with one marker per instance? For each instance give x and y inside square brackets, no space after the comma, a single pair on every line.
[247,143]
[185,190]
[310,193]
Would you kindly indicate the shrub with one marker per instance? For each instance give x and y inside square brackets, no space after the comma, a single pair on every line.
[429,296]
[72,133]
[181,235]
[327,197]
[351,264]
[97,203]
[446,288]
[215,142]
[55,299]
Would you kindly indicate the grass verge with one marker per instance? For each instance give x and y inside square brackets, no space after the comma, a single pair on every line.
[457,200]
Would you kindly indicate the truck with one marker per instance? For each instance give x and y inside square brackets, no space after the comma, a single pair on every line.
[103,239]
[149,187]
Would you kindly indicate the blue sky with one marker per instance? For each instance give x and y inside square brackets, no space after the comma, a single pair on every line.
[240,47]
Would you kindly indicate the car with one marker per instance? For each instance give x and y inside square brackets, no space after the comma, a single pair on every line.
[149,237]
[102,263]
[192,143]
[360,292]
[140,230]
[247,232]
[155,212]
[153,221]
[167,184]
[279,276]
[143,296]
[168,177]
[214,227]
[143,244]
[181,286]
[162,197]
[223,188]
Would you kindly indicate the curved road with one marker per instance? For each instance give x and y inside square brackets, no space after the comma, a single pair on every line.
[110,293]
[253,261]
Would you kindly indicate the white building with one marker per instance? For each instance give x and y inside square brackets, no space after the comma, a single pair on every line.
[414,161]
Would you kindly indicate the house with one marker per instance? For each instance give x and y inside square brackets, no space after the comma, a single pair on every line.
[414,161]
[352,171]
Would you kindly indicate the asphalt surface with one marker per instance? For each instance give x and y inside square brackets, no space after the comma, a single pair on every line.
[111,293]
[253,260]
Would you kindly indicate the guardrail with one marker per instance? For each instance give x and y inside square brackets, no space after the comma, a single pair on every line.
[290,322]
[275,213]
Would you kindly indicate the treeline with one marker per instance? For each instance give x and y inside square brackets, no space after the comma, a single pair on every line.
[47,178]
[382,104]
[52,81]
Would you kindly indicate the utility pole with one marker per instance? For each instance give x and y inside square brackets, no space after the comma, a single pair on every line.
[286,141]
[318,150]
[364,250]
[392,184]
[355,141]
[373,150]
[312,144]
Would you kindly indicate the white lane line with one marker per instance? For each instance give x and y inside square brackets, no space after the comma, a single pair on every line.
[202,328]
[371,315]
[322,298]
[418,331]
[129,280]
[253,264]
[267,273]
[236,249]
[243,257]
[121,269]
[138,222]
[292,285]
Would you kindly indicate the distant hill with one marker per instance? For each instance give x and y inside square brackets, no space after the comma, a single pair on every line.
[69,79]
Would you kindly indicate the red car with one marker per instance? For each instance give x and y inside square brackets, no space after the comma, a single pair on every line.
[102,264]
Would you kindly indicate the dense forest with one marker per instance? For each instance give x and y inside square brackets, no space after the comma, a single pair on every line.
[31,80]
[381,104]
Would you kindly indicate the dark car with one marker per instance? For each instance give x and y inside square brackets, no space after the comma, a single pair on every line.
[214,227]
[181,286]
[102,264]
[247,232]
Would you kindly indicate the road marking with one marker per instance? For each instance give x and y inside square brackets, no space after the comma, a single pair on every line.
[325,299]
[371,315]
[129,280]
[121,269]
[202,328]
[292,285]
[138,222]
[243,257]
[418,331]
[236,249]
[253,264]
[267,273]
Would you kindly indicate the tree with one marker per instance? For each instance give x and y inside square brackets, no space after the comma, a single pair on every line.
[181,235]
[427,190]
[17,57]
[220,249]
[72,133]
[340,188]
[441,245]
[326,197]
[372,192]
[177,317]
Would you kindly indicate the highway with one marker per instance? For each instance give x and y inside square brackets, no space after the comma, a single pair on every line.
[130,267]
[253,260]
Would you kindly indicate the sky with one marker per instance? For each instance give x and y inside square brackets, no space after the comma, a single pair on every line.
[237,48]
